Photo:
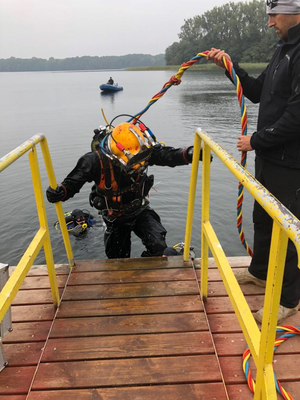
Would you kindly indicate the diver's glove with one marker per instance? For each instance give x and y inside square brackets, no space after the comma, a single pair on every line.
[189,154]
[177,250]
[55,195]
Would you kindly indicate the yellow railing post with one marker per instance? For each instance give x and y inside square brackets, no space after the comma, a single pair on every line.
[265,380]
[16,279]
[40,203]
[204,218]
[192,195]
[286,226]
[42,237]
[58,206]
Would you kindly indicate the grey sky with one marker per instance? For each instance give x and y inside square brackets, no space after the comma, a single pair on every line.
[69,28]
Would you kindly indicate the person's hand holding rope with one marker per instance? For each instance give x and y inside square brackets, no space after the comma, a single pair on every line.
[244,144]
[221,59]
[216,55]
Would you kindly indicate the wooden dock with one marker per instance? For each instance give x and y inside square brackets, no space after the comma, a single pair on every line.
[133,329]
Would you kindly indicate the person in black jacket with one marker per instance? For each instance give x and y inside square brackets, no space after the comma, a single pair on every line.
[118,168]
[277,145]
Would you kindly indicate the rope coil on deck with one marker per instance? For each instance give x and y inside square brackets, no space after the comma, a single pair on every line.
[176,80]
[290,332]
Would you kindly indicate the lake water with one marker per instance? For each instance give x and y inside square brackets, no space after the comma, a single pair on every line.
[66,107]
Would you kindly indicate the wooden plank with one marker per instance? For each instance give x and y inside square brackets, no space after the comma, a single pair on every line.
[133,347]
[242,392]
[13,397]
[214,274]
[42,282]
[127,346]
[239,392]
[37,270]
[223,304]
[235,262]
[147,305]
[218,289]
[40,312]
[15,380]
[128,372]
[286,367]
[108,277]
[129,290]
[124,325]
[231,344]
[60,269]
[291,387]
[131,264]
[220,323]
[204,391]
[28,332]
[224,323]
[23,353]
[39,296]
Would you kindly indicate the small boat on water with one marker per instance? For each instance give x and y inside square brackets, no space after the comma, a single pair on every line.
[107,87]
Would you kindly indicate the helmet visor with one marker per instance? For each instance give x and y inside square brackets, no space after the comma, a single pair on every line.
[129,147]
[139,157]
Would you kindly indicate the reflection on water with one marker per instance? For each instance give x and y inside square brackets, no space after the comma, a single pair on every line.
[111,97]
[66,107]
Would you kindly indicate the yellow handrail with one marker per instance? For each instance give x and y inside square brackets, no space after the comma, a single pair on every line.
[42,237]
[285,226]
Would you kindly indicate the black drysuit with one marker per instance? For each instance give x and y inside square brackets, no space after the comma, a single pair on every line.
[135,214]
[277,147]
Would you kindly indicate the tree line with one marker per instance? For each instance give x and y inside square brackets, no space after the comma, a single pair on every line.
[241,29]
[13,64]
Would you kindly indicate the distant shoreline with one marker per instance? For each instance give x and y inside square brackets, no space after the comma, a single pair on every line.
[200,67]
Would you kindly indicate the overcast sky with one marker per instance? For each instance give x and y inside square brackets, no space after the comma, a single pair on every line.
[69,28]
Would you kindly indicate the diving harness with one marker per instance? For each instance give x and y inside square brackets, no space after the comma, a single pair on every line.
[123,152]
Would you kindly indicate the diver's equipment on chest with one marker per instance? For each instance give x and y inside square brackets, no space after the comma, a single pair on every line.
[120,201]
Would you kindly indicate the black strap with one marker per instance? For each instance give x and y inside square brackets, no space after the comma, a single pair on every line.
[107,175]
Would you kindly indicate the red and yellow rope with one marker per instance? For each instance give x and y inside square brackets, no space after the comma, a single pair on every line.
[290,331]
[244,121]
[176,80]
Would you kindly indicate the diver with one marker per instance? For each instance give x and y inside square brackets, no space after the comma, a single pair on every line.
[78,222]
[110,81]
[118,167]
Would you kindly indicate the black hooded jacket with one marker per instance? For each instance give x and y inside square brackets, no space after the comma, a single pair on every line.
[277,90]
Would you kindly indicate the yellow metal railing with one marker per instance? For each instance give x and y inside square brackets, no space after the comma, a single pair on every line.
[42,237]
[285,226]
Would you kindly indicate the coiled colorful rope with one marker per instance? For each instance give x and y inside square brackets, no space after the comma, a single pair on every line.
[176,80]
[290,332]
